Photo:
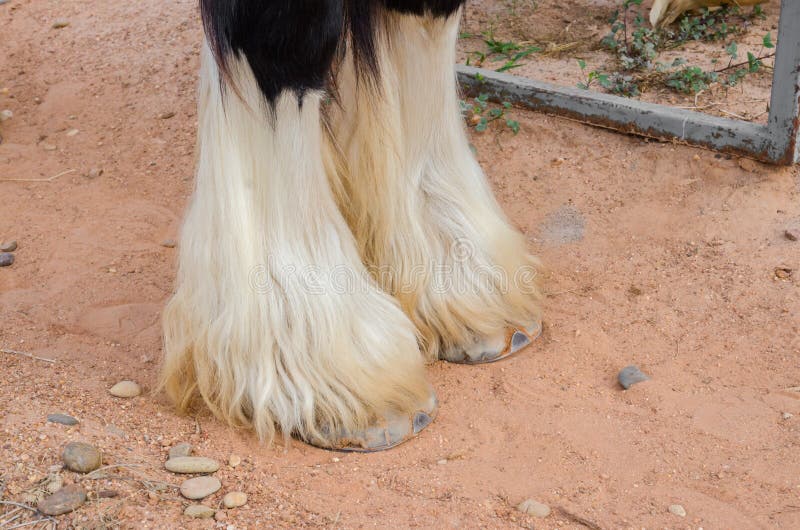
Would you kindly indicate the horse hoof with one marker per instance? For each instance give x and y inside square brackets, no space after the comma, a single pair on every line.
[516,340]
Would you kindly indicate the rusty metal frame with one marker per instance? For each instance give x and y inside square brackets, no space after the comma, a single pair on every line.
[775,143]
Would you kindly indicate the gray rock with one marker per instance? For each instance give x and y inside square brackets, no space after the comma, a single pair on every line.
[534,508]
[677,509]
[181,449]
[234,499]
[107,494]
[6,259]
[191,465]
[792,234]
[169,243]
[198,511]
[630,375]
[126,389]
[63,419]
[81,457]
[63,501]
[8,246]
[200,487]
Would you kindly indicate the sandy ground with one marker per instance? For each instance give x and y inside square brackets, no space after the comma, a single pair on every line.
[657,254]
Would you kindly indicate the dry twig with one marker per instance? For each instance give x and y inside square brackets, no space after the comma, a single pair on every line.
[28,355]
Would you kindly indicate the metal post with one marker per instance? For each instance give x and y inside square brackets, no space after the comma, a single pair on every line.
[784,108]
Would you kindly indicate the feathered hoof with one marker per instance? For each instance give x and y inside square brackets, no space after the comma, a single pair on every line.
[484,352]
[388,432]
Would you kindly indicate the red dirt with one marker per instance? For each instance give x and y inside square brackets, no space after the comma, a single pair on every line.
[675,273]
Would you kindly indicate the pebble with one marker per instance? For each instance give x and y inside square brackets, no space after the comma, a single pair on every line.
[181,449]
[126,389]
[234,499]
[198,511]
[234,460]
[792,234]
[48,147]
[191,464]
[60,23]
[107,494]
[63,501]
[94,173]
[169,243]
[81,457]
[6,259]
[200,487]
[6,115]
[54,483]
[677,509]
[8,246]
[630,375]
[63,419]
[72,132]
[536,509]
[788,415]
[783,272]
[166,115]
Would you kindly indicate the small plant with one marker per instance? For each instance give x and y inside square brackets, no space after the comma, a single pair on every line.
[512,52]
[636,46]
[480,114]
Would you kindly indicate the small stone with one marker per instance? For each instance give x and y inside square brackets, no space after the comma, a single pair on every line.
[234,460]
[198,511]
[54,483]
[748,165]
[191,465]
[169,243]
[60,23]
[6,115]
[181,449]
[8,246]
[48,147]
[630,375]
[783,273]
[792,234]
[72,132]
[94,173]
[63,501]
[126,389]
[81,457]
[200,487]
[788,415]
[166,115]
[63,419]
[677,509]
[234,499]
[6,259]
[442,462]
[221,516]
[536,509]
[107,494]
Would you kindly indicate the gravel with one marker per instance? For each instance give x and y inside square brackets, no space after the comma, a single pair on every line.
[63,419]
[534,508]
[126,389]
[63,501]
[200,487]
[192,465]
[630,375]
[81,457]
